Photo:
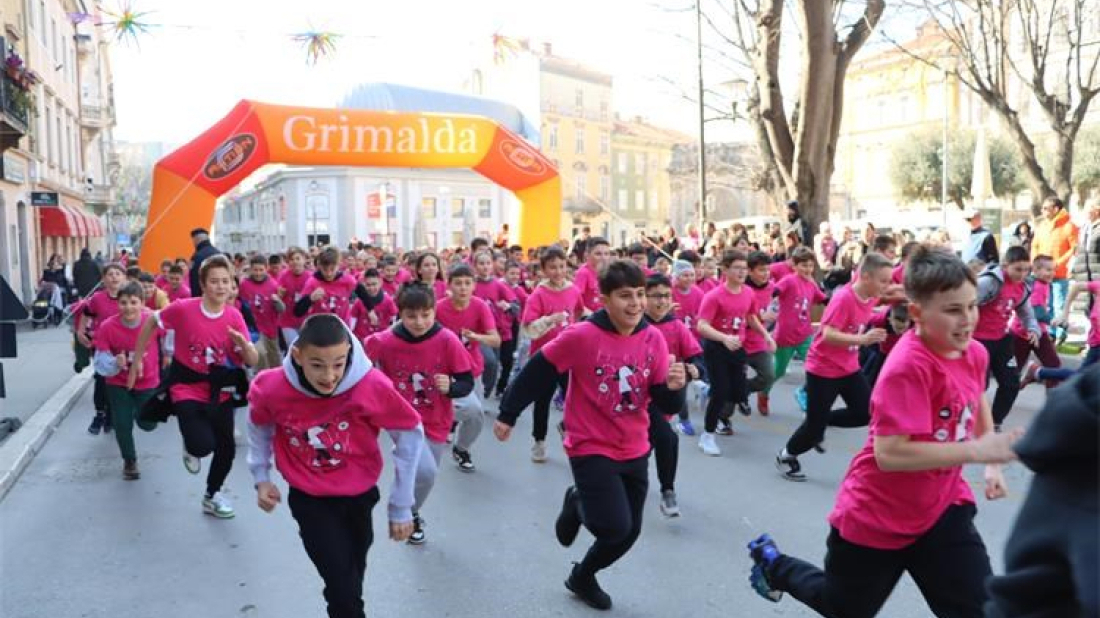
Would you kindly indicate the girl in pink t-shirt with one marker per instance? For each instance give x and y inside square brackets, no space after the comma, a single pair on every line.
[1036,372]
[618,365]
[320,415]
[93,311]
[431,370]
[428,272]
[795,298]
[904,506]
[502,302]
[725,316]
[291,281]
[115,340]
[208,335]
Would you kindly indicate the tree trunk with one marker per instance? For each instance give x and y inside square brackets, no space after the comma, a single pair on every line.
[1062,172]
[820,52]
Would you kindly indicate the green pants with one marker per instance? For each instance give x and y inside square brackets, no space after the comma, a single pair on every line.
[125,407]
[783,356]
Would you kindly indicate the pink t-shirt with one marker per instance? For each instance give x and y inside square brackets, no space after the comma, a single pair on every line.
[392,286]
[850,315]
[587,281]
[338,295]
[161,282]
[993,316]
[179,293]
[690,302]
[97,309]
[509,317]
[606,404]
[384,312]
[545,301]
[780,270]
[492,291]
[200,340]
[930,399]
[728,311]
[898,274]
[257,295]
[706,285]
[754,341]
[681,342]
[476,317]
[328,446]
[115,337]
[1094,316]
[292,285]
[1040,295]
[796,296]
[412,368]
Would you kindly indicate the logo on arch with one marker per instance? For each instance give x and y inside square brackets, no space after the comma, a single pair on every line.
[522,157]
[230,156]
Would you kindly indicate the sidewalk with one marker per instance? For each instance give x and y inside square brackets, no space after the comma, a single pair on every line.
[44,365]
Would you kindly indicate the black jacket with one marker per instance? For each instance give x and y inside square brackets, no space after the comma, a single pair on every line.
[1051,557]
[86,275]
[203,251]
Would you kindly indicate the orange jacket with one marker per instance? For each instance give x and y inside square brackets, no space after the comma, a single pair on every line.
[1057,238]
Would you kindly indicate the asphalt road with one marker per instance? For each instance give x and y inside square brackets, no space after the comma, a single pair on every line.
[77,541]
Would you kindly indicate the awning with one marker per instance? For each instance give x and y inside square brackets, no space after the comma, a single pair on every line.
[57,221]
[79,220]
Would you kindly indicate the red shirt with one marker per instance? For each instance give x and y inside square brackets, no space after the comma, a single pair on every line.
[97,308]
[690,302]
[492,291]
[993,317]
[588,284]
[476,317]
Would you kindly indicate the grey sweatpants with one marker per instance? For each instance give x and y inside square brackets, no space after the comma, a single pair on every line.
[470,419]
[492,367]
[426,470]
[763,363]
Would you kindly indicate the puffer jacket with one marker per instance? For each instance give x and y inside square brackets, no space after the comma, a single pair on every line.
[1086,264]
[1057,238]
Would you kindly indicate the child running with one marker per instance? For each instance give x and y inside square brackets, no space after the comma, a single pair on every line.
[794,329]
[291,281]
[430,369]
[904,505]
[428,272]
[93,311]
[509,347]
[374,311]
[320,415]
[758,355]
[501,301]
[617,365]
[260,294]
[597,253]
[329,290]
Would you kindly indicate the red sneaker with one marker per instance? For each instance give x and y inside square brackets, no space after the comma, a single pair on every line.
[1031,374]
[762,405]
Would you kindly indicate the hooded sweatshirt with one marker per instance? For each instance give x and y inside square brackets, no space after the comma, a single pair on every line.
[327,445]
[1051,557]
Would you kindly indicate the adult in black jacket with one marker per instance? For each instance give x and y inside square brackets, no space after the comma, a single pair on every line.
[86,273]
[203,249]
[1051,564]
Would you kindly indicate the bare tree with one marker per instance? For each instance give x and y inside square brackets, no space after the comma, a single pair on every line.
[994,47]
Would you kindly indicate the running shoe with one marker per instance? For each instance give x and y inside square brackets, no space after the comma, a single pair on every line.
[538,451]
[190,462]
[820,447]
[107,426]
[587,589]
[743,408]
[725,428]
[561,429]
[463,459]
[763,552]
[130,470]
[568,524]
[218,506]
[800,397]
[559,400]
[763,404]
[97,423]
[789,467]
[708,445]
[417,537]
[669,507]
[1031,375]
[685,427]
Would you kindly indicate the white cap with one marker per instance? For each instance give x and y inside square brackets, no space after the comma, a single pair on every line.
[970,213]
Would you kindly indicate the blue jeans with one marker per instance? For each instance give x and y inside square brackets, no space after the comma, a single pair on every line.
[1059,289]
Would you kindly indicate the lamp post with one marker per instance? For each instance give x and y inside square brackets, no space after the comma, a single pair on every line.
[702,119]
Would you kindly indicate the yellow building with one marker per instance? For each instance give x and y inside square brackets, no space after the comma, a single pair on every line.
[642,195]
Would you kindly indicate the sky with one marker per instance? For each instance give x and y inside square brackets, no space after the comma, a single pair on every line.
[201,57]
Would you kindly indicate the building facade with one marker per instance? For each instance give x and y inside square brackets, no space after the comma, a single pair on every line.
[730,192]
[642,191]
[395,208]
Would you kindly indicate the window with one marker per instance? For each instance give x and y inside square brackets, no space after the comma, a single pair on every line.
[639,199]
[552,138]
[42,21]
[622,163]
[485,209]
[622,199]
[605,144]
[458,207]
[579,140]
[49,133]
[581,186]
[639,163]
[654,201]
[63,137]
[605,187]
[427,207]
[578,99]
[604,111]
[54,40]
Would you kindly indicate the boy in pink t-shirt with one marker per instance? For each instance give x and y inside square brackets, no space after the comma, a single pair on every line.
[291,281]
[1042,269]
[795,299]
[597,254]
[1036,372]
[618,364]
[502,302]
[687,298]
[431,370]
[176,288]
[510,325]
[758,356]
[832,364]
[376,312]
[260,293]
[320,415]
[329,290]
[91,312]
[706,274]
[904,506]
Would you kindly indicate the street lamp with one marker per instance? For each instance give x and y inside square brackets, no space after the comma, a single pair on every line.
[702,119]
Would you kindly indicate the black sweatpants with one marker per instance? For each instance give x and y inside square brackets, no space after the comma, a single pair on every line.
[337,532]
[507,361]
[949,564]
[207,431]
[666,447]
[99,395]
[541,423]
[728,384]
[1002,368]
[611,497]
[820,395]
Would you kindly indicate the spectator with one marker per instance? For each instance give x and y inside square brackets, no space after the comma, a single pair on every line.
[580,243]
[795,224]
[203,249]
[1086,264]
[501,240]
[1022,235]
[709,230]
[692,241]
[86,273]
[669,243]
[825,246]
[1056,236]
[55,272]
[981,244]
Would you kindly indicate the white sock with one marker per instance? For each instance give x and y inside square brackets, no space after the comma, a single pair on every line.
[783,454]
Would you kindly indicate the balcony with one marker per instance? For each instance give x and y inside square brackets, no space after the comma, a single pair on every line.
[14,103]
[99,194]
[95,116]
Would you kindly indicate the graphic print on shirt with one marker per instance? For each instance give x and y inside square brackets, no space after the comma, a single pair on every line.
[621,383]
[416,384]
[855,329]
[323,447]
[954,422]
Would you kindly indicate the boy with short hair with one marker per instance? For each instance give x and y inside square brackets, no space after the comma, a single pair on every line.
[260,294]
[794,301]
[177,289]
[1042,275]
[597,254]
[329,290]
[757,354]
[291,281]
[375,311]
[706,274]
[617,365]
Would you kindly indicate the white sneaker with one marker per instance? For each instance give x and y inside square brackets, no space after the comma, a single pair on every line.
[218,506]
[708,445]
[538,452]
[192,463]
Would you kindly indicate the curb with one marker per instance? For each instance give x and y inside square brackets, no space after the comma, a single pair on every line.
[21,447]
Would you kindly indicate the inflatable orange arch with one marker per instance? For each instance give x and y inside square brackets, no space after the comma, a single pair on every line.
[187,182]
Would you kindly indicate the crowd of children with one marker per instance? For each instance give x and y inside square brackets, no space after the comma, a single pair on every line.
[328,348]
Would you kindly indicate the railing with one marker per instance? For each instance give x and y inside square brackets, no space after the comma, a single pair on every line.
[14,103]
[93,115]
[100,194]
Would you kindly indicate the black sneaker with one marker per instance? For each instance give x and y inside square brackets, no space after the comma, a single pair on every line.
[130,470]
[789,468]
[417,536]
[588,589]
[107,426]
[463,459]
[568,524]
[725,428]
[820,447]
[743,408]
[97,423]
